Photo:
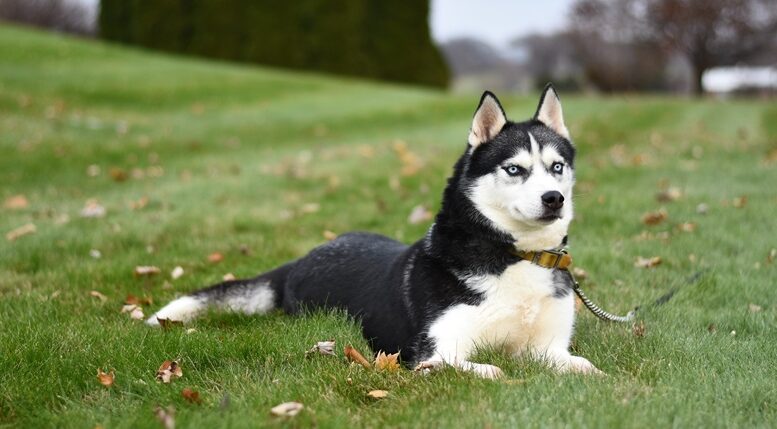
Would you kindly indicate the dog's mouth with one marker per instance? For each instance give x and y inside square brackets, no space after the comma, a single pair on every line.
[549,218]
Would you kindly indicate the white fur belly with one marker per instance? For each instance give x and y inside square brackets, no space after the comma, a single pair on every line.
[519,312]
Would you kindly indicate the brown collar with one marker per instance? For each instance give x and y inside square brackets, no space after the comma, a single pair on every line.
[558,259]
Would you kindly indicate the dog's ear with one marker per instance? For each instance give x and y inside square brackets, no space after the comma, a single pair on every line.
[549,112]
[488,121]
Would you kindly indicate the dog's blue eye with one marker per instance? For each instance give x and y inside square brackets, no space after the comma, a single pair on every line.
[513,170]
[557,167]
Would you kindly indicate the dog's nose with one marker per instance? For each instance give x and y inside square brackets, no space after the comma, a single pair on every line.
[553,200]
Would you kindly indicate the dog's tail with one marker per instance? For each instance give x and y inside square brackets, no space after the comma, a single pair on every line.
[249,296]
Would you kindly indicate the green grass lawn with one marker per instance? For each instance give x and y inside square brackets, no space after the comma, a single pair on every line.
[256,164]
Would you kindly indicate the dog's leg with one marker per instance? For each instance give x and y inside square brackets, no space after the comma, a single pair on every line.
[551,343]
[480,369]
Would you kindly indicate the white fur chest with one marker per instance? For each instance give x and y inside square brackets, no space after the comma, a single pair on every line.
[519,311]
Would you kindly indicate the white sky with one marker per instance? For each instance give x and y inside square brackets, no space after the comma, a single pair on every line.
[496,21]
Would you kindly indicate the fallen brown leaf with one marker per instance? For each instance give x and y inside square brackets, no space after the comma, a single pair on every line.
[169,371]
[176,273]
[215,257]
[353,355]
[712,328]
[322,347]
[106,379]
[168,323]
[228,277]
[310,208]
[669,194]
[377,394]
[98,295]
[419,214]
[21,231]
[647,262]
[166,416]
[139,204]
[329,235]
[655,218]
[687,227]
[118,174]
[134,311]
[287,409]
[132,299]
[190,395]
[16,202]
[579,273]
[146,270]
[384,362]
[93,209]
[638,329]
[739,202]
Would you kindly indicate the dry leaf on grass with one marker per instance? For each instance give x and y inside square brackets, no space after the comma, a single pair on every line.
[20,231]
[166,416]
[215,257]
[190,395]
[579,273]
[702,208]
[655,218]
[669,194]
[106,379]
[687,227]
[329,235]
[419,214]
[739,202]
[169,371]
[98,295]
[287,409]
[772,256]
[132,299]
[310,208]
[118,174]
[384,362]
[16,202]
[176,273]
[168,323]
[377,394]
[647,262]
[228,277]
[754,308]
[146,270]
[93,209]
[322,347]
[638,329]
[353,355]
[134,311]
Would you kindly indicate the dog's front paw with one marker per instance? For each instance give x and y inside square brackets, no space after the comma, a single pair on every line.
[427,366]
[580,365]
[484,370]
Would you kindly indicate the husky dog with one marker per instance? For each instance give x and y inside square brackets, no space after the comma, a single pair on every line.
[463,284]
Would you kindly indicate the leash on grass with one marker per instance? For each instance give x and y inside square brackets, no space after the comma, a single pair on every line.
[609,317]
[561,260]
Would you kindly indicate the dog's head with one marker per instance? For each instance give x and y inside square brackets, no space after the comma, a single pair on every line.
[520,174]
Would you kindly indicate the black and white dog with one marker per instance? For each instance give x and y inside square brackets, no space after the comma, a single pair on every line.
[462,285]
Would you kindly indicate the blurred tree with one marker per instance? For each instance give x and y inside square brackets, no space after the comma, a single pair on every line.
[713,33]
[708,33]
[370,38]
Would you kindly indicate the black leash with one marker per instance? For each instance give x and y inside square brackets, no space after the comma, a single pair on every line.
[604,315]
